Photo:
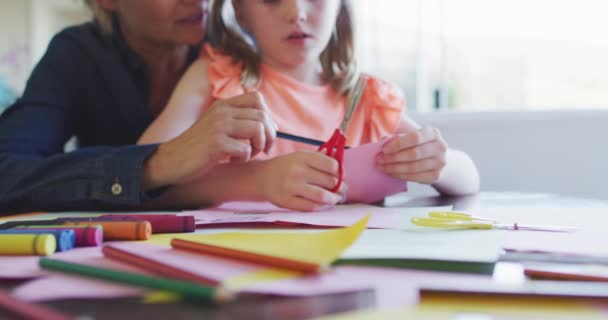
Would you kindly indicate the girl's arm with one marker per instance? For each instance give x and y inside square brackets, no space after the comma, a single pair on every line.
[297,181]
[184,108]
[421,155]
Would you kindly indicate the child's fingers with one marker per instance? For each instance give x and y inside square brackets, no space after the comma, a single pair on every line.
[427,150]
[414,167]
[301,204]
[343,192]
[318,195]
[322,162]
[427,177]
[321,179]
[409,140]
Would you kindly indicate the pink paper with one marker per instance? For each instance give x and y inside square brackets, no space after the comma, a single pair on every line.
[393,287]
[205,266]
[338,216]
[366,183]
[19,267]
[56,285]
[25,267]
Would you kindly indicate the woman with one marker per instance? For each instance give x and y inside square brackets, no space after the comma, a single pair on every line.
[104,82]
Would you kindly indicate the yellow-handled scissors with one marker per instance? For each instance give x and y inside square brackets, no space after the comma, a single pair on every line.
[458,220]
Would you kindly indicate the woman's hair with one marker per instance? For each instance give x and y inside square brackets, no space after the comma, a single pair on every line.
[337,59]
[102,16]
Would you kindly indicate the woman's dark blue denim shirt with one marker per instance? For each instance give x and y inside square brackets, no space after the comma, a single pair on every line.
[90,86]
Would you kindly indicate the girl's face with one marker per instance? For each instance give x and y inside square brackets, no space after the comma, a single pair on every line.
[162,21]
[289,33]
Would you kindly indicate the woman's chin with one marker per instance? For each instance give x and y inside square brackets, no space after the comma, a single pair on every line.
[192,38]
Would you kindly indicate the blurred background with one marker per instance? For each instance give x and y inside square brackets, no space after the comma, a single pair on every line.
[463,55]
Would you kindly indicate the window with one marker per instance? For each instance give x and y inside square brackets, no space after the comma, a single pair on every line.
[488,54]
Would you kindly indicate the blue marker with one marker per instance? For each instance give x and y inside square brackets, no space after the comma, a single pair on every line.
[65,238]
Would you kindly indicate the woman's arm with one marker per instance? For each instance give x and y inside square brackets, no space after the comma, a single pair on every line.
[35,172]
[421,155]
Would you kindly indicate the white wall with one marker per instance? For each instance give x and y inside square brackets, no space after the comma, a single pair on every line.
[561,152]
[26,26]
[14,42]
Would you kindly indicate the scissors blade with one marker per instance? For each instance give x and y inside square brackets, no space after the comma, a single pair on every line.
[532,227]
[353,102]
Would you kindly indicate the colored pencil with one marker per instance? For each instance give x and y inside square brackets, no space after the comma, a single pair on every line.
[257,258]
[151,265]
[293,137]
[184,288]
[26,310]
[27,244]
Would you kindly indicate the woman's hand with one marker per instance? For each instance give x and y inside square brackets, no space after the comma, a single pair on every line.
[237,128]
[417,156]
[301,181]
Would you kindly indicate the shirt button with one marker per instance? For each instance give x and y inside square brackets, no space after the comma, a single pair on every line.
[116,189]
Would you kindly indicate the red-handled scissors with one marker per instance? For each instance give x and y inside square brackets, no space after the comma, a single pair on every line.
[334,147]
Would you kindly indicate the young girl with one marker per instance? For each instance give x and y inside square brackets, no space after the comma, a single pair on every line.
[297,55]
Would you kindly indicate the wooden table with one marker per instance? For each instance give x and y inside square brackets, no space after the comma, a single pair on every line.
[300,308]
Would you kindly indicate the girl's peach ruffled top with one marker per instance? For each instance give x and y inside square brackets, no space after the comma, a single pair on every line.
[309,110]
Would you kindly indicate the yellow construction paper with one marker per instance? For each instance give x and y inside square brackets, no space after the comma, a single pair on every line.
[317,247]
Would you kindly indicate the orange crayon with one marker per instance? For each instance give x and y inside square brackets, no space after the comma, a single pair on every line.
[118,230]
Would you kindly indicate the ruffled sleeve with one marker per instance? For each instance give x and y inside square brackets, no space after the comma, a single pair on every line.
[384,103]
[223,74]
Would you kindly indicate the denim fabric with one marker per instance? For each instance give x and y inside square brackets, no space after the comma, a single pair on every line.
[92,87]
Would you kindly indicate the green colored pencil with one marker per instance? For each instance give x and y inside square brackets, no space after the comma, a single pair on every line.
[186,289]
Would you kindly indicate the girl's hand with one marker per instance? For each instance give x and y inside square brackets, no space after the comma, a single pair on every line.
[301,181]
[418,156]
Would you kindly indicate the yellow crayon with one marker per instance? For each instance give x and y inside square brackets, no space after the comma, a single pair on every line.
[27,244]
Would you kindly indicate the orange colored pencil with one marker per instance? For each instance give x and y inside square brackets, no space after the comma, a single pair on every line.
[257,258]
[118,230]
[154,266]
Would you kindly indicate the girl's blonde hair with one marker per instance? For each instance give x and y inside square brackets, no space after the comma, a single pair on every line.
[337,59]
[101,15]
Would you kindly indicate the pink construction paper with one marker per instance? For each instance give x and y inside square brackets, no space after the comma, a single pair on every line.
[366,183]
[206,266]
[393,287]
[59,287]
[26,267]
[338,216]
[55,285]
[19,267]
